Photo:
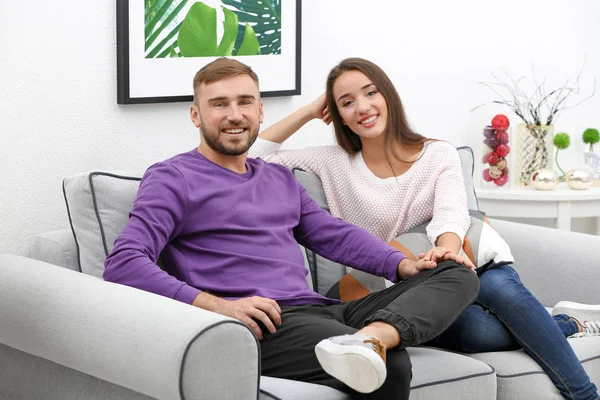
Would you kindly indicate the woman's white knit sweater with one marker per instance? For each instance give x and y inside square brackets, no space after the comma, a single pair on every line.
[432,189]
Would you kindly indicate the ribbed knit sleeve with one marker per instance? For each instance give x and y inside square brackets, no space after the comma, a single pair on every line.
[309,159]
[450,211]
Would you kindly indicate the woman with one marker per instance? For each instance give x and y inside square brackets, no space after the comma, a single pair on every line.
[388,179]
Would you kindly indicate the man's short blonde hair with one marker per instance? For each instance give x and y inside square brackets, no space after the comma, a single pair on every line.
[221,68]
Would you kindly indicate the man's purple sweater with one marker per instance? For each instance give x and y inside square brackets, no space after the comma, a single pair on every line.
[234,235]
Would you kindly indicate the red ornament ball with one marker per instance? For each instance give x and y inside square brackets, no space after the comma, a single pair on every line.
[486,175]
[505,172]
[492,158]
[502,150]
[503,180]
[502,137]
[500,121]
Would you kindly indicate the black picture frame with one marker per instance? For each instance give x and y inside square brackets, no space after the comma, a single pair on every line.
[128,68]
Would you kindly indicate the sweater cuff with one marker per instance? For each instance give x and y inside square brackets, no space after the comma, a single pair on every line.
[454,228]
[187,293]
[263,147]
[390,266]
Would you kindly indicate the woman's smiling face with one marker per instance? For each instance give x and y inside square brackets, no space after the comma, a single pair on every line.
[360,104]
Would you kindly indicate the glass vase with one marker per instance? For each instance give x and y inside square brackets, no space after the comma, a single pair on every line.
[533,151]
[593,162]
[495,158]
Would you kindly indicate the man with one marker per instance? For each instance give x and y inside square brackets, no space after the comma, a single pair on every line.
[228,226]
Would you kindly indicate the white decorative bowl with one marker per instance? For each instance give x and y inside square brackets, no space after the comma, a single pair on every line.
[579,179]
[544,179]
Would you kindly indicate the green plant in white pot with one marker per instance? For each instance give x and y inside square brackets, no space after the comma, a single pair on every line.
[561,142]
[591,136]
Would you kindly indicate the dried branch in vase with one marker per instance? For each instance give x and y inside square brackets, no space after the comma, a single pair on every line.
[542,106]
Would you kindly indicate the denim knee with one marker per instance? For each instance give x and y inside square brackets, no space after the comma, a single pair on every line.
[478,330]
[500,284]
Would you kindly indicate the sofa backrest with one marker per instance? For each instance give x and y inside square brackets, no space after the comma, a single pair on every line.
[467,160]
[98,205]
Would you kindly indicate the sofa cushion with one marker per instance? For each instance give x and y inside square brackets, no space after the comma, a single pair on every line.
[98,204]
[437,374]
[520,377]
[440,374]
[287,389]
[325,273]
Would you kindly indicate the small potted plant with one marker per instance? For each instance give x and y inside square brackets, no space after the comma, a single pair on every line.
[561,142]
[591,136]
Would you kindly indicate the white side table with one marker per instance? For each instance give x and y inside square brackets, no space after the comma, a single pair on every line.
[561,203]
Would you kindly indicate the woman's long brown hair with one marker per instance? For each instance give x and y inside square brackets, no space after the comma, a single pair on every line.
[397,128]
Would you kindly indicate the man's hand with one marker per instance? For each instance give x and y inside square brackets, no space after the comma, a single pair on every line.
[439,254]
[247,310]
[408,267]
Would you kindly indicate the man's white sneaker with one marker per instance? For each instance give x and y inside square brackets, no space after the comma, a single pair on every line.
[356,360]
[588,315]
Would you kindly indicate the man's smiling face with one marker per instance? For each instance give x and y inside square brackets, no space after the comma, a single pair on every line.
[229,113]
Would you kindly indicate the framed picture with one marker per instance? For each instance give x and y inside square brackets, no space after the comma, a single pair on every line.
[161,44]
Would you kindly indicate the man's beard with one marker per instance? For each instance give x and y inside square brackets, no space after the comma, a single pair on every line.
[213,140]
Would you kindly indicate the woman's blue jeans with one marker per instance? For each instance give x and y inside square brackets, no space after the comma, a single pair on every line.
[506,316]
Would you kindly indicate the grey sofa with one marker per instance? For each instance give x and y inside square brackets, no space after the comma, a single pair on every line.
[67,334]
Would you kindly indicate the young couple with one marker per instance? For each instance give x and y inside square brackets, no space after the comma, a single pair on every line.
[227,226]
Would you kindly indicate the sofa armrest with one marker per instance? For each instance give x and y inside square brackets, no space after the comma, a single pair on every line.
[56,247]
[554,264]
[150,344]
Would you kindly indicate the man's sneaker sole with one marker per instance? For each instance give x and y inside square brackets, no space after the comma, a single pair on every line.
[356,366]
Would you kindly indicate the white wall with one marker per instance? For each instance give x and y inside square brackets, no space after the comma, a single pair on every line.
[58,111]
